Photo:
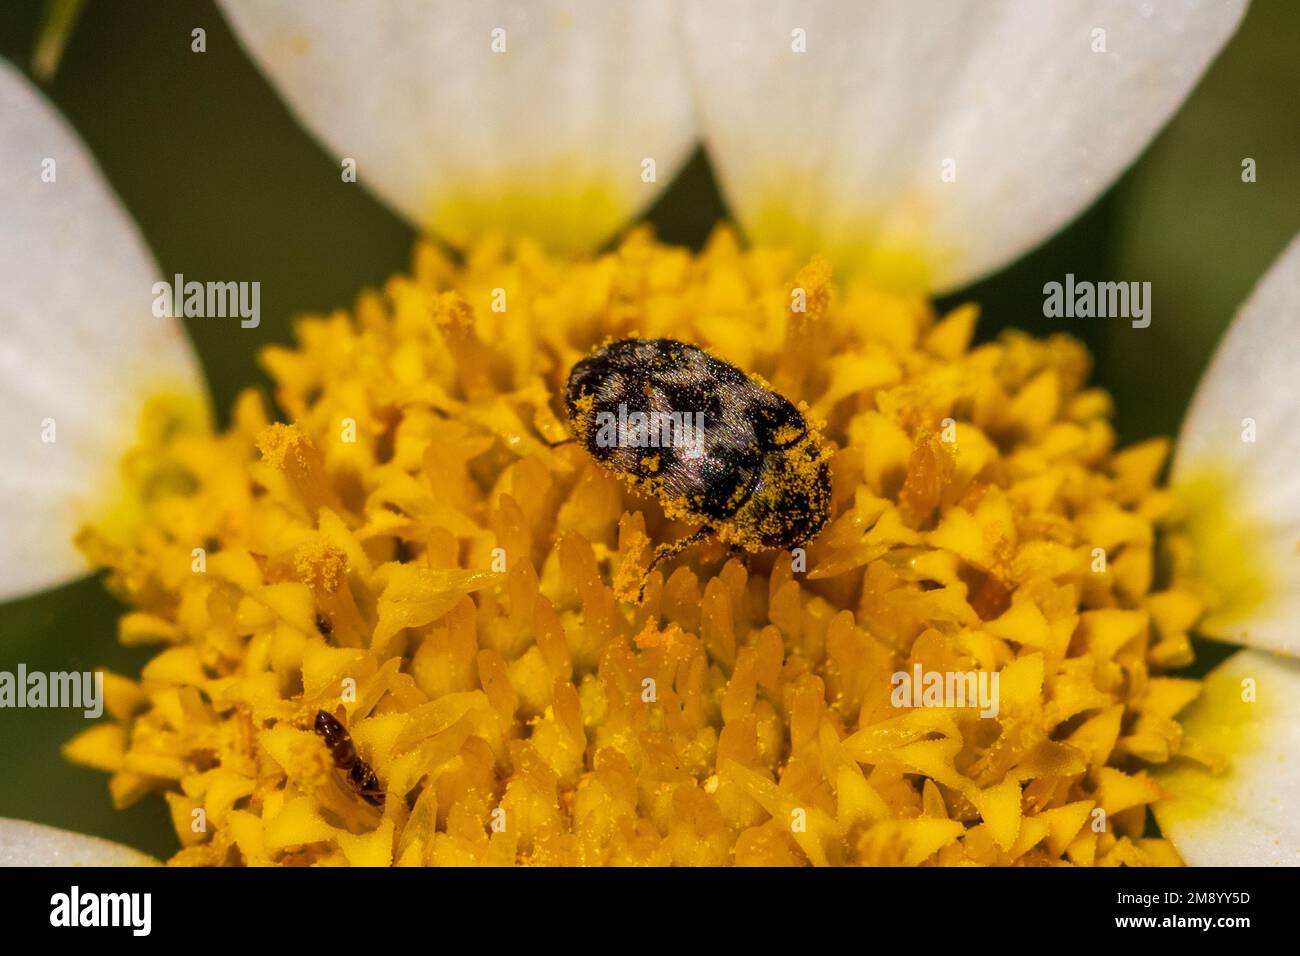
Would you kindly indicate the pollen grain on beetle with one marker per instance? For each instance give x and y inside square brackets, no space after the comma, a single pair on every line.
[419,553]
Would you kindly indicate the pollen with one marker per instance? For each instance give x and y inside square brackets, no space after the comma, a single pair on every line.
[414,549]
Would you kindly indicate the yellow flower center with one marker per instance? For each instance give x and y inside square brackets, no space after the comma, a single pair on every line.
[413,553]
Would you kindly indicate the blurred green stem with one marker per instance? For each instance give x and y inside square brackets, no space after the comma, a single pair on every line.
[56,30]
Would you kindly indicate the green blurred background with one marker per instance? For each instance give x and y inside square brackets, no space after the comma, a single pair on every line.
[223,182]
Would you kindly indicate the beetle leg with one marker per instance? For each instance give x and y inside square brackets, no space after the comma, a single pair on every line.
[666,551]
[736,551]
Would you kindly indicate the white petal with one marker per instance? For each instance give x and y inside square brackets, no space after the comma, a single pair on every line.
[80,349]
[545,139]
[31,844]
[1238,464]
[842,149]
[1250,815]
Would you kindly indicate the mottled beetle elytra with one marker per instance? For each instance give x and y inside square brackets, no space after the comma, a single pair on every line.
[714,446]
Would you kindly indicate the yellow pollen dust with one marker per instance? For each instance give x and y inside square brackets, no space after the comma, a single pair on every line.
[321,566]
[416,554]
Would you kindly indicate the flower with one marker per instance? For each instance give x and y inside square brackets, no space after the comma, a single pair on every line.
[768,735]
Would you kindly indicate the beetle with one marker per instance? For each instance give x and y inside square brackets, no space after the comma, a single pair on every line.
[344,754]
[715,446]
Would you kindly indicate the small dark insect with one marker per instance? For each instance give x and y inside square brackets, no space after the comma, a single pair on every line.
[339,742]
[717,447]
